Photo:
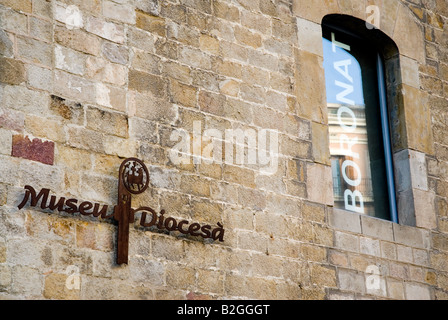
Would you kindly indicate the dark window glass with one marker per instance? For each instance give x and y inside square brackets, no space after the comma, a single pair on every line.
[360,178]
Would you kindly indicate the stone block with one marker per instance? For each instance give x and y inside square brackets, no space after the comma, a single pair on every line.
[395,289]
[263,60]
[345,220]
[408,35]
[77,39]
[45,128]
[113,123]
[115,53]
[55,287]
[402,171]
[248,38]
[177,71]
[147,83]
[308,32]
[117,11]
[70,111]
[229,87]
[239,175]
[31,101]
[74,87]
[41,29]
[102,70]
[71,16]
[418,119]
[322,275]
[180,277]
[40,175]
[5,277]
[140,39]
[389,250]
[151,23]
[404,254]
[321,140]
[195,58]
[351,281]
[310,90]
[146,62]
[377,228]
[319,184]
[282,82]
[415,291]
[314,10]
[86,139]
[39,78]
[409,72]
[8,170]
[314,212]
[5,142]
[11,119]
[73,158]
[13,21]
[111,96]
[185,95]
[369,246]
[150,108]
[13,71]
[107,30]
[27,281]
[143,130]
[226,11]
[388,11]
[255,21]
[6,45]
[411,236]
[297,149]
[419,176]
[121,147]
[35,51]
[144,270]
[20,5]
[285,30]
[195,185]
[183,34]
[347,242]
[425,215]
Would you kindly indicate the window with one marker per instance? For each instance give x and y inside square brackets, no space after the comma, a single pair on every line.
[360,148]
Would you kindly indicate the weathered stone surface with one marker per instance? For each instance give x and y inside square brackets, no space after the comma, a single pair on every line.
[69,110]
[35,51]
[69,60]
[410,46]
[77,39]
[13,71]
[77,97]
[108,122]
[56,288]
[319,183]
[11,119]
[150,23]
[311,106]
[108,30]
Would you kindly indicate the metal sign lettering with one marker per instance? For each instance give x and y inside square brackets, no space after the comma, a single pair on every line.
[133,178]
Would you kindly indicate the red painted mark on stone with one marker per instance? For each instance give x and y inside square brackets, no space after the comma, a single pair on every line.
[36,150]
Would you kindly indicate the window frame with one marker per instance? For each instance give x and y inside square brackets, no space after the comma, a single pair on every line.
[384,120]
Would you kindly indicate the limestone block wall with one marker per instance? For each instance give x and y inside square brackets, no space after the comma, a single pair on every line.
[85,84]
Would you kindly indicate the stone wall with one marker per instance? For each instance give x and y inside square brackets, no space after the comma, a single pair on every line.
[87,83]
